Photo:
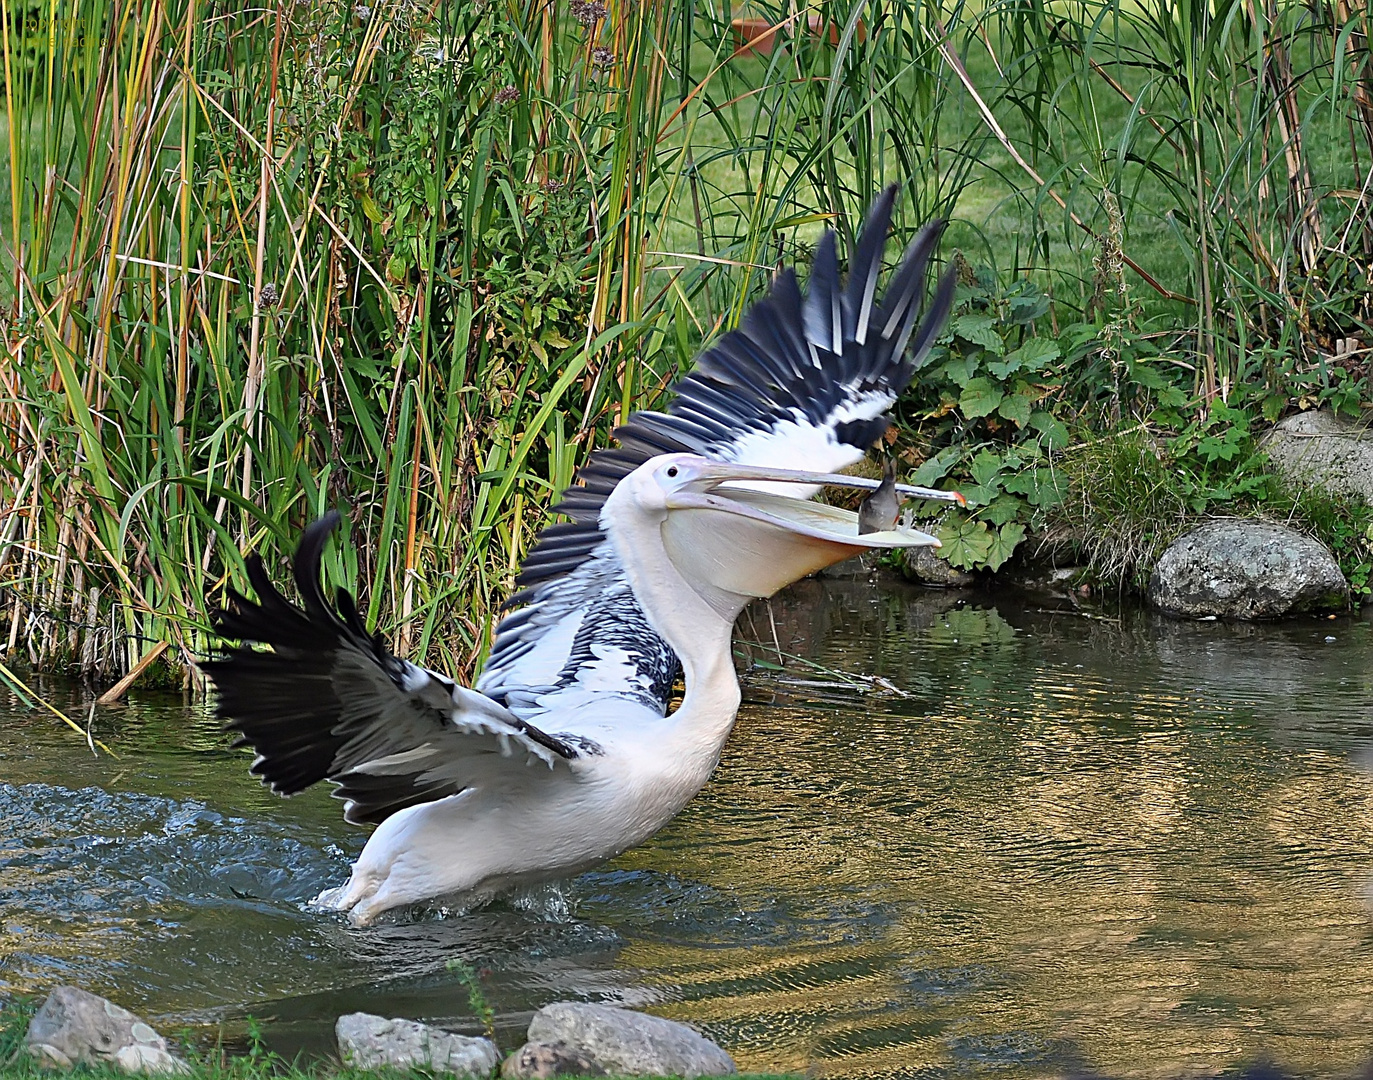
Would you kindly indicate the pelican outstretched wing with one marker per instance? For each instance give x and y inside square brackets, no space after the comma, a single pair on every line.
[803,383]
[330,702]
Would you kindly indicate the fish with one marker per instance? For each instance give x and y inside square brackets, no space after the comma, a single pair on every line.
[880,510]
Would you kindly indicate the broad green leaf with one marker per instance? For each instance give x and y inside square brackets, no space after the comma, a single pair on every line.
[1053,434]
[1037,353]
[1003,544]
[936,468]
[1041,486]
[966,542]
[984,469]
[1146,375]
[1002,509]
[980,397]
[978,330]
[959,369]
[1028,307]
[975,495]
[1016,409]
[1034,355]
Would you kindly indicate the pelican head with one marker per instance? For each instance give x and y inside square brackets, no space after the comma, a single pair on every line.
[730,533]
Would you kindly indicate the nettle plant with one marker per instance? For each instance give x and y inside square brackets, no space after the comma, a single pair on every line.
[992,431]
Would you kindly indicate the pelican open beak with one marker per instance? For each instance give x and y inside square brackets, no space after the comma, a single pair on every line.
[722,529]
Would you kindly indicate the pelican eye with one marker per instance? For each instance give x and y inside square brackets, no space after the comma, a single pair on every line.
[672,470]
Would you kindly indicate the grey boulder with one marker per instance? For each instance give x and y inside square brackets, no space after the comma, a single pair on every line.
[1321,449]
[922,565]
[76,1027]
[542,1061]
[624,1042]
[1237,569]
[369,1042]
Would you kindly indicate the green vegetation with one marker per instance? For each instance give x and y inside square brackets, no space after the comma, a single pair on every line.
[417,260]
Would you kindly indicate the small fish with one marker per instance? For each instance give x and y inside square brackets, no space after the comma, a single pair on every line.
[879,511]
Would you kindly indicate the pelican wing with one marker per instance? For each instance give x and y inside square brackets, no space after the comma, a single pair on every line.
[330,701]
[803,383]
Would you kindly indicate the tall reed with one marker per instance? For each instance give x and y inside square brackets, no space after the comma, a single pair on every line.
[1231,138]
[410,259]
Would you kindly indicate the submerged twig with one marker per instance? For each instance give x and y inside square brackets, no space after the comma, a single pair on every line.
[847,679]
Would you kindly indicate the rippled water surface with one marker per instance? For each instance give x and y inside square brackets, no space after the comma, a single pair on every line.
[1038,843]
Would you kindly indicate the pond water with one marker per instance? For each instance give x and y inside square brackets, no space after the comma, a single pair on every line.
[1040,843]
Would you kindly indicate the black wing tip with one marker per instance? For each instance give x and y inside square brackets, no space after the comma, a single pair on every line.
[306,563]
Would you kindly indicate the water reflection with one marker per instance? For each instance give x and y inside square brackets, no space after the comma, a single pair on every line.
[1035,843]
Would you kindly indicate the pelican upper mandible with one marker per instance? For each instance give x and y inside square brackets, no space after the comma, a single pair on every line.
[565,753]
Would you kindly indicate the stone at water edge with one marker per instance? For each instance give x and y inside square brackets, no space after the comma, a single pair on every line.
[1324,450]
[73,1026]
[922,565]
[1237,569]
[542,1061]
[625,1042]
[369,1042]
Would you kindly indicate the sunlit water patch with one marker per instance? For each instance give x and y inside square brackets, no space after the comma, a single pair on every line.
[946,838]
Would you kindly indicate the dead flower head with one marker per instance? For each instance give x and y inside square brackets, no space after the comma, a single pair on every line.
[587,12]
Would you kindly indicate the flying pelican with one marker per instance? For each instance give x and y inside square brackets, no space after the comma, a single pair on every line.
[565,755]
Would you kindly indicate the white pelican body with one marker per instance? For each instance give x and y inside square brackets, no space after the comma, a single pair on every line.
[489,840]
[565,754]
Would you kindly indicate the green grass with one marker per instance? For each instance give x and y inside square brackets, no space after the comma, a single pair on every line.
[1126,504]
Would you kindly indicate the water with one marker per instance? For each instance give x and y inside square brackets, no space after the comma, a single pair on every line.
[1037,844]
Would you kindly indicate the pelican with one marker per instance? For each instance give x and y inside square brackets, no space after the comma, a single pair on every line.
[565,754]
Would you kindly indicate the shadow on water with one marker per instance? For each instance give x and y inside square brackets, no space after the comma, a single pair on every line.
[959,837]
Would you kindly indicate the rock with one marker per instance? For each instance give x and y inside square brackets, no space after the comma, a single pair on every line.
[539,1061]
[370,1042]
[1238,569]
[73,1027]
[1328,451]
[1044,580]
[1055,546]
[621,1041]
[860,566]
[923,565]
